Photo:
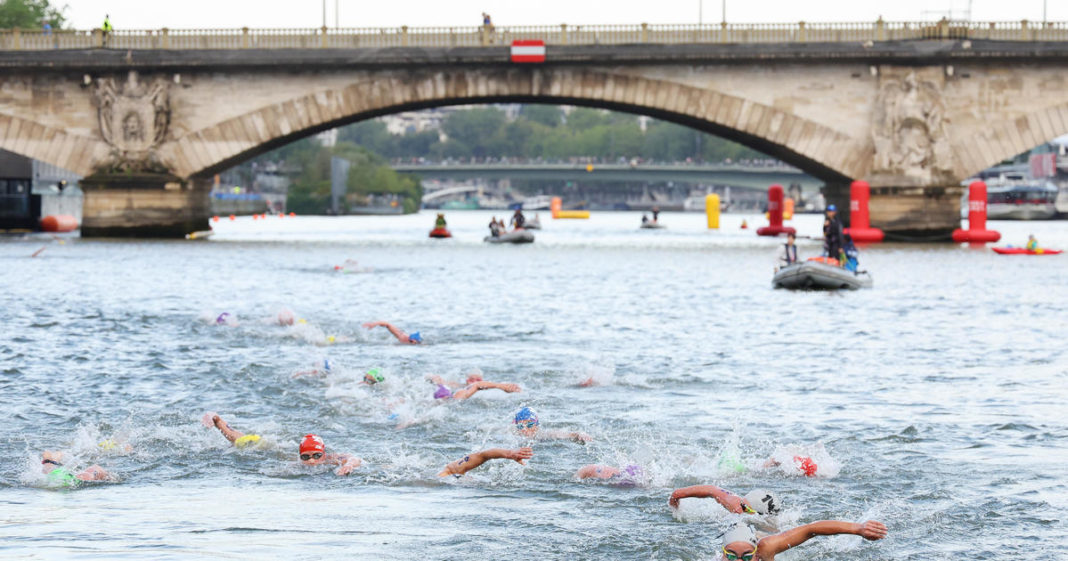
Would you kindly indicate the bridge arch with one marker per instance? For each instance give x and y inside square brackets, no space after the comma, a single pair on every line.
[817,149]
[1008,138]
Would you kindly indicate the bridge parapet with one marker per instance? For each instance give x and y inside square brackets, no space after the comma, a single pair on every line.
[471,36]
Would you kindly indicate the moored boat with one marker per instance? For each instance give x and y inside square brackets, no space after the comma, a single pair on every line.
[815,275]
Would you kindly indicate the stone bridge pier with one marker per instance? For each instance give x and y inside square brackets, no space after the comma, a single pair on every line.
[145,127]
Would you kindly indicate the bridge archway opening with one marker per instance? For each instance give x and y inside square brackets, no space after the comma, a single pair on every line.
[774,150]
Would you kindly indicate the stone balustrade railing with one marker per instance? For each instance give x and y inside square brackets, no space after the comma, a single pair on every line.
[348,38]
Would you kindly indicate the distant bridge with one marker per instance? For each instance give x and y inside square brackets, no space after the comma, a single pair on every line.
[733,175]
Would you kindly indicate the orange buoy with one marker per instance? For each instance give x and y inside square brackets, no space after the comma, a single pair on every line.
[232,217]
[59,223]
[292,214]
[215,218]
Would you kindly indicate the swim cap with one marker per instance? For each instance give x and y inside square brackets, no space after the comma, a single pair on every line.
[526,414]
[442,392]
[631,475]
[108,444]
[832,208]
[62,478]
[373,377]
[416,337]
[806,465]
[311,443]
[247,440]
[740,533]
[326,364]
[222,318]
[763,502]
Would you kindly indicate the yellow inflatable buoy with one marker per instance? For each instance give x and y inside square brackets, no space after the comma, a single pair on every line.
[247,440]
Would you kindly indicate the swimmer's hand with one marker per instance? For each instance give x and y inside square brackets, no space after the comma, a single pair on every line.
[588,382]
[208,420]
[510,388]
[349,465]
[521,455]
[872,530]
[580,437]
[673,502]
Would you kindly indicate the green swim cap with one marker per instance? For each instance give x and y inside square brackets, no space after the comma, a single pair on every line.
[373,376]
[247,440]
[60,477]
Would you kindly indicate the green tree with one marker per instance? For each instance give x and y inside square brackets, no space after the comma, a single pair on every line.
[30,14]
[548,115]
[480,130]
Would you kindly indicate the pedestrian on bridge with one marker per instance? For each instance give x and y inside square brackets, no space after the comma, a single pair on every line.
[106,29]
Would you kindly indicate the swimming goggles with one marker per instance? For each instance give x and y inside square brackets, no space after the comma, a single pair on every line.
[524,425]
[747,509]
[307,457]
[50,461]
[732,556]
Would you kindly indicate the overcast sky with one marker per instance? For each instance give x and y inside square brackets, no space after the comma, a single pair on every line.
[175,14]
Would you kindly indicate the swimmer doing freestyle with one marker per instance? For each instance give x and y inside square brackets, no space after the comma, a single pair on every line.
[740,543]
[471,461]
[758,501]
[413,339]
[475,384]
[527,424]
[58,474]
[312,451]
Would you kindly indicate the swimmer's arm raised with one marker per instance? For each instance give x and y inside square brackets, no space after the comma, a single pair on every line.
[472,461]
[730,501]
[579,437]
[772,545]
[230,434]
[472,389]
[400,335]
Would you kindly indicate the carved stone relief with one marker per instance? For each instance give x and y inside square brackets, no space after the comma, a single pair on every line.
[134,117]
[909,129]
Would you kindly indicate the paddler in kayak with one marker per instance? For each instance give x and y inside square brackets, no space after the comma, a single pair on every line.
[740,543]
[413,339]
[1032,243]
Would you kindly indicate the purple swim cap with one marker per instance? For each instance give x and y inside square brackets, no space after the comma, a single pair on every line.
[631,476]
[442,392]
[222,318]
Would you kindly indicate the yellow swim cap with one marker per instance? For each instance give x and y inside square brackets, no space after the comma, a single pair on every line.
[108,444]
[302,321]
[247,440]
[329,338]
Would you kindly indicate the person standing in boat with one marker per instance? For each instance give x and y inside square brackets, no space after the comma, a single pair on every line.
[851,254]
[832,234]
[440,222]
[495,230]
[518,220]
[788,256]
[656,214]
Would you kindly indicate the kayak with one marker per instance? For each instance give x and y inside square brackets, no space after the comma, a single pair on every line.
[813,275]
[201,235]
[652,225]
[515,236]
[440,233]
[1024,251]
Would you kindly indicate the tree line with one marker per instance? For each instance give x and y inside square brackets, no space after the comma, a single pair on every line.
[30,14]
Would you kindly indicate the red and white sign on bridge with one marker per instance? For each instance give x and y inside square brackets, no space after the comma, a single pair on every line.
[528,51]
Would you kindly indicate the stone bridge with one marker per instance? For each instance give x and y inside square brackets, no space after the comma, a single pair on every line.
[148,127]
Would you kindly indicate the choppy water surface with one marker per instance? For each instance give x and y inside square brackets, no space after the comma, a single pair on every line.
[935,402]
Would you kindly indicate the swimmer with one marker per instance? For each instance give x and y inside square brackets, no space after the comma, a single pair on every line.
[627,476]
[58,475]
[321,369]
[472,461]
[526,423]
[313,453]
[372,377]
[740,542]
[758,501]
[227,319]
[285,317]
[413,339]
[804,465]
[474,386]
[236,437]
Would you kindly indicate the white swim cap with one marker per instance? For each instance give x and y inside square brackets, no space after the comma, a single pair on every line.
[764,502]
[740,533]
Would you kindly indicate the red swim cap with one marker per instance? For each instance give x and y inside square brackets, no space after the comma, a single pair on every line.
[311,443]
[806,465]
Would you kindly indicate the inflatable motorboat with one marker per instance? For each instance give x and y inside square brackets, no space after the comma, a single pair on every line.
[534,224]
[815,275]
[440,233]
[515,236]
[1025,251]
[652,225]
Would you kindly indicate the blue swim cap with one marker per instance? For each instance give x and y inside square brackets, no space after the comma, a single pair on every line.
[416,337]
[326,364]
[526,414]
[832,207]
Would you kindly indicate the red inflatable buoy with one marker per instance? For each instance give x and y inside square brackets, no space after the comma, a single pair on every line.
[976,232]
[59,223]
[775,227]
[859,222]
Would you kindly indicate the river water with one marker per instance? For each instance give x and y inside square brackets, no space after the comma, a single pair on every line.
[934,402]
